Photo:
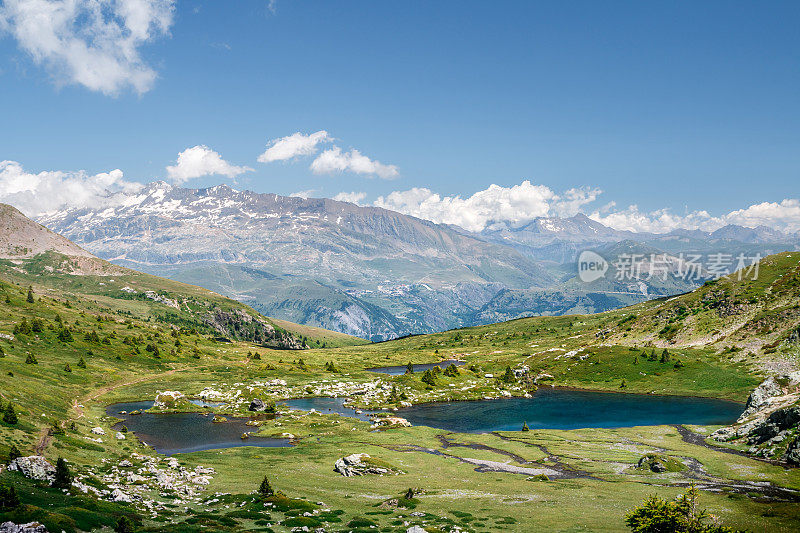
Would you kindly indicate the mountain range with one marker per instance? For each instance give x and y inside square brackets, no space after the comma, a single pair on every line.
[371,272]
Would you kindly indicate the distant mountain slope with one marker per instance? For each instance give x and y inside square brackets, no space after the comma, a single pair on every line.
[369,260]
[562,239]
[21,237]
[636,273]
[33,255]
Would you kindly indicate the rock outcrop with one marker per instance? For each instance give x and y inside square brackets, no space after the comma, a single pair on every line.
[770,423]
[169,399]
[360,464]
[33,467]
[30,527]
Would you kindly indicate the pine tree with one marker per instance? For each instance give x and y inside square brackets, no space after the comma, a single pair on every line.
[67,368]
[635,359]
[2,353]
[451,371]
[81,362]
[429,378]
[23,328]
[64,335]
[31,360]
[10,415]
[13,453]
[665,356]
[525,427]
[30,295]
[8,497]
[63,477]
[409,368]
[623,384]
[508,376]
[265,489]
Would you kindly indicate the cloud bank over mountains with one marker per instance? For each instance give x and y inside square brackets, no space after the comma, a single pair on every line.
[495,207]
[48,191]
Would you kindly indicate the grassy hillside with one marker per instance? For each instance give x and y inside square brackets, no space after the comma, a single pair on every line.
[720,341]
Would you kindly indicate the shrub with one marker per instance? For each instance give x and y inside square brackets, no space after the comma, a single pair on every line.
[679,516]
[29,299]
[31,360]
[124,525]
[508,376]
[451,371]
[81,362]
[409,368]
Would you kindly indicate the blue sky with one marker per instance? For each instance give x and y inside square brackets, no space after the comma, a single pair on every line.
[680,105]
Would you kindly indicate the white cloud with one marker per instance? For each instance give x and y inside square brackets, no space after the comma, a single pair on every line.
[199,161]
[292,146]
[48,191]
[304,194]
[334,160]
[352,197]
[493,207]
[572,201]
[92,43]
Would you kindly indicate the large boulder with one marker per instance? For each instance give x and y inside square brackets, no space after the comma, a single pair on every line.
[359,464]
[257,405]
[30,527]
[169,399]
[33,467]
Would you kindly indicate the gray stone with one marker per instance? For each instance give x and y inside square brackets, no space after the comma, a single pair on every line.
[33,467]
[769,388]
[257,405]
[793,453]
[30,527]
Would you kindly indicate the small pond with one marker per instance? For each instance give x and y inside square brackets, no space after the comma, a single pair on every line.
[170,433]
[551,408]
[400,370]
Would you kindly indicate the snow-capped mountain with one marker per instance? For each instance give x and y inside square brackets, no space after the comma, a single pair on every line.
[362,270]
[366,271]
